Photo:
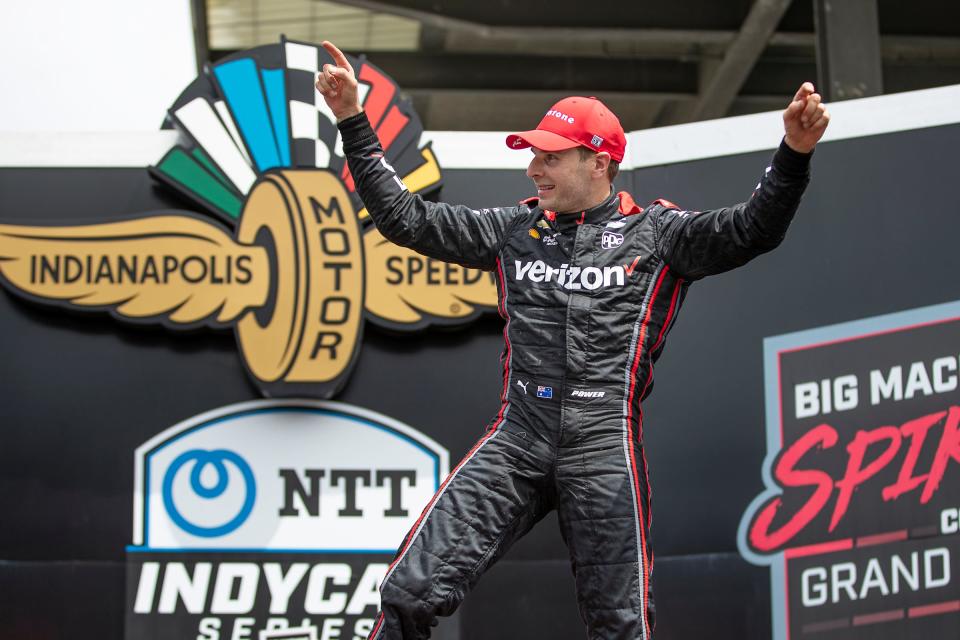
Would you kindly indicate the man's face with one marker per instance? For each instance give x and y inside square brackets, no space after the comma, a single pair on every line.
[562,179]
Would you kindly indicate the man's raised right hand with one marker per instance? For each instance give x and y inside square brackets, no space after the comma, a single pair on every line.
[337,83]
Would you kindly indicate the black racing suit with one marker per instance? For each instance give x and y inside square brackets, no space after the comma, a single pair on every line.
[588,299]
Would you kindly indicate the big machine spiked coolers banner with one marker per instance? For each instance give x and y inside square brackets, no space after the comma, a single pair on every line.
[857,524]
[273,518]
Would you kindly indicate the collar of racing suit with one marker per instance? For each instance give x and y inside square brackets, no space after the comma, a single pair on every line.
[615,205]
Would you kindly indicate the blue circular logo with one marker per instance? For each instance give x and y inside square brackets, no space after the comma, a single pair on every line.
[201,460]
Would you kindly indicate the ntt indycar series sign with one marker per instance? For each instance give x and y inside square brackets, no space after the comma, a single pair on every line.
[860,518]
[272,519]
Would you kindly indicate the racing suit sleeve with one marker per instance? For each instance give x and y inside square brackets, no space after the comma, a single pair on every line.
[698,244]
[451,233]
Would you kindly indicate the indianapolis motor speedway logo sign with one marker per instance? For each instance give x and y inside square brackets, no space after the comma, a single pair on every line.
[285,255]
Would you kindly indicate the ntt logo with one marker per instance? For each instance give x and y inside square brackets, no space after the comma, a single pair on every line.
[560,115]
[297,475]
[209,479]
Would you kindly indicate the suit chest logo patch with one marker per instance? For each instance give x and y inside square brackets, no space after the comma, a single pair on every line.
[610,240]
[545,233]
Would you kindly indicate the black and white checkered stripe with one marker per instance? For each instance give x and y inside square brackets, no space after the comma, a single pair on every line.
[315,140]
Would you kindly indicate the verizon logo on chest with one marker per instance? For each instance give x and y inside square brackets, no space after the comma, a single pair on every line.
[574,277]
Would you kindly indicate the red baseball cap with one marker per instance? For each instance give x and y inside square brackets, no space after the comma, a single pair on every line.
[575,122]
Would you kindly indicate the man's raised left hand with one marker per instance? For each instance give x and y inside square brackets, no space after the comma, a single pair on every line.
[805,119]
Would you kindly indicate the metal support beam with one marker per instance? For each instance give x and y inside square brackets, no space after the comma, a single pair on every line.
[201,39]
[848,48]
[724,84]
[465,36]
[550,36]
[445,70]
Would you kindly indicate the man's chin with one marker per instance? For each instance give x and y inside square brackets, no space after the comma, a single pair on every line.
[557,206]
[547,204]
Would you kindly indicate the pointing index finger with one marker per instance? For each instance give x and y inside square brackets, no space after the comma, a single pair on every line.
[339,59]
[805,90]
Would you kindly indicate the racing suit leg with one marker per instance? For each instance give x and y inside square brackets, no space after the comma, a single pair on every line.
[605,526]
[491,499]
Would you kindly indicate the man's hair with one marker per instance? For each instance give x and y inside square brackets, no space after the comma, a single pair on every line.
[612,169]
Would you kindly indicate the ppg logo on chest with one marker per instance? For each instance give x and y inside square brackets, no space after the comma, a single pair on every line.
[610,240]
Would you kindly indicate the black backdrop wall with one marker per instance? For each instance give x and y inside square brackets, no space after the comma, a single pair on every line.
[876,233]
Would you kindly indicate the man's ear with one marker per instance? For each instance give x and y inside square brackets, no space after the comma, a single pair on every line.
[600,163]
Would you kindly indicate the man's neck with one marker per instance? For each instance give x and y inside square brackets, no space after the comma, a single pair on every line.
[595,201]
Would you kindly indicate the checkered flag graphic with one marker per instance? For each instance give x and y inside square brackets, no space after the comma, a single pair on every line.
[313,127]
[258,110]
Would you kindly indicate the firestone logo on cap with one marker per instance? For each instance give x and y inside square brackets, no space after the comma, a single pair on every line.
[562,116]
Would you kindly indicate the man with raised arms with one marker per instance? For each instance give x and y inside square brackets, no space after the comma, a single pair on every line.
[589,285]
